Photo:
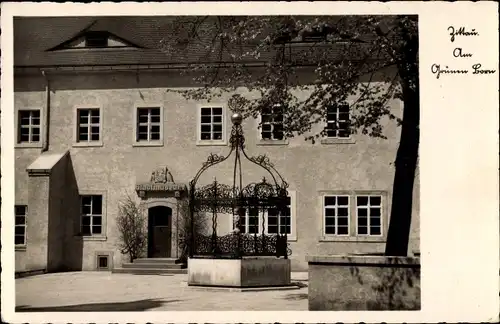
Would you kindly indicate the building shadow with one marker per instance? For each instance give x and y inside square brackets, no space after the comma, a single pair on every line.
[138,305]
[296,296]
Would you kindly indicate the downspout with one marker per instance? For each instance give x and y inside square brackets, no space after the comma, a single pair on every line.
[46,115]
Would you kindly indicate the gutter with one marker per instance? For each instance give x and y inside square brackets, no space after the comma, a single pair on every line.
[46,114]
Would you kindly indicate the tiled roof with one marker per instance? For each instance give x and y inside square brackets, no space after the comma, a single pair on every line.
[35,36]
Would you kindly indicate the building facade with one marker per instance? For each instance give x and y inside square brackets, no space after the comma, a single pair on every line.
[96,120]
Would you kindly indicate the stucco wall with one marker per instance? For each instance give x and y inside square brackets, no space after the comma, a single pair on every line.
[115,167]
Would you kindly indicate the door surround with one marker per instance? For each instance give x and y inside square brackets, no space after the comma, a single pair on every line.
[170,203]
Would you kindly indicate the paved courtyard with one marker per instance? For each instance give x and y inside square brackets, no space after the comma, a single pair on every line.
[104,291]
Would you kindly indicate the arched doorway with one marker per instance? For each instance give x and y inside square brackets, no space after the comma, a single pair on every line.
[159,232]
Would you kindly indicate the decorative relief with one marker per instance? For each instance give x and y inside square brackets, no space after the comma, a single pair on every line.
[162,175]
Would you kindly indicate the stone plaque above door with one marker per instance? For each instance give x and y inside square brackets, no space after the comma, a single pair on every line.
[161,181]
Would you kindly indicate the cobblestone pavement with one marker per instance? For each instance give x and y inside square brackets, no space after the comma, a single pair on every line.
[104,291]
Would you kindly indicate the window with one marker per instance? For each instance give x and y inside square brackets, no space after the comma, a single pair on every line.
[369,215]
[336,212]
[272,123]
[29,126]
[96,39]
[149,125]
[251,222]
[102,262]
[88,125]
[338,122]
[20,225]
[353,216]
[211,124]
[91,215]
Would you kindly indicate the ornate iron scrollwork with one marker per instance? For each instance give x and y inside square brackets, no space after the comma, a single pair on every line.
[236,199]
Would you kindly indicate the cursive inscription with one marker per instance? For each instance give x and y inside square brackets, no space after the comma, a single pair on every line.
[461,31]
[457,52]
[461,55]
[438,70]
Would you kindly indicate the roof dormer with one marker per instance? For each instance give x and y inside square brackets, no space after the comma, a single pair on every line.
[95,39]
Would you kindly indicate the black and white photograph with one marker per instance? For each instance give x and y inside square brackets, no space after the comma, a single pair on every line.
[217,162]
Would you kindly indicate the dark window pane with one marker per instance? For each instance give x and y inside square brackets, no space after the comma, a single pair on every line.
[155,112]
[330,201]
[272,212]
[343,221]
[343,200]
[266,128]
[19,230]
[85,230]
[205,119]
[375,221]
[155,119]
[86,220]
[205,136]
[35,113]
[362,212]
[143,119]
[272,229]
[331,126]
[206,111]
[20,210]
[35,121]
[35,131]
[330,212]
[266,135]
[86,210]
[83,117]
[344,133]
[96,229]
[97,205]
[331,109]
[265,118]
[217,136]
[375,230]
[97,220]
[155,128]
[206,128]
[344,116]
[142,136]
[375,200]
[19,240]
[217,111]
[95,119]
[330,221]
[342,230]
[375,212]
[20,220]
[86,200]
[217,128]
[95,136]
[330,230]
[362,221]
[331,133]
[285,229]
[217,119]
[35,138]
[343,211]
[362,200]
[155,136]
[362,230]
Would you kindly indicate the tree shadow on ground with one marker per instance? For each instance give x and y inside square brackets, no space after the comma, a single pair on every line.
[138,305]
[295,296]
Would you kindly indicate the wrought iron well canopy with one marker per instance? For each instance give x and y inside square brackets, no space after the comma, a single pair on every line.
[256,198]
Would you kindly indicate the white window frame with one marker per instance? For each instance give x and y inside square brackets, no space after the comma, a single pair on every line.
[25,226]
[293,219]
[381,206]
[338,121]
[89,143]
[148,142]
[222,141]
[94,237]
[353,216]
[349,214]
[29,144]
[269,141]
